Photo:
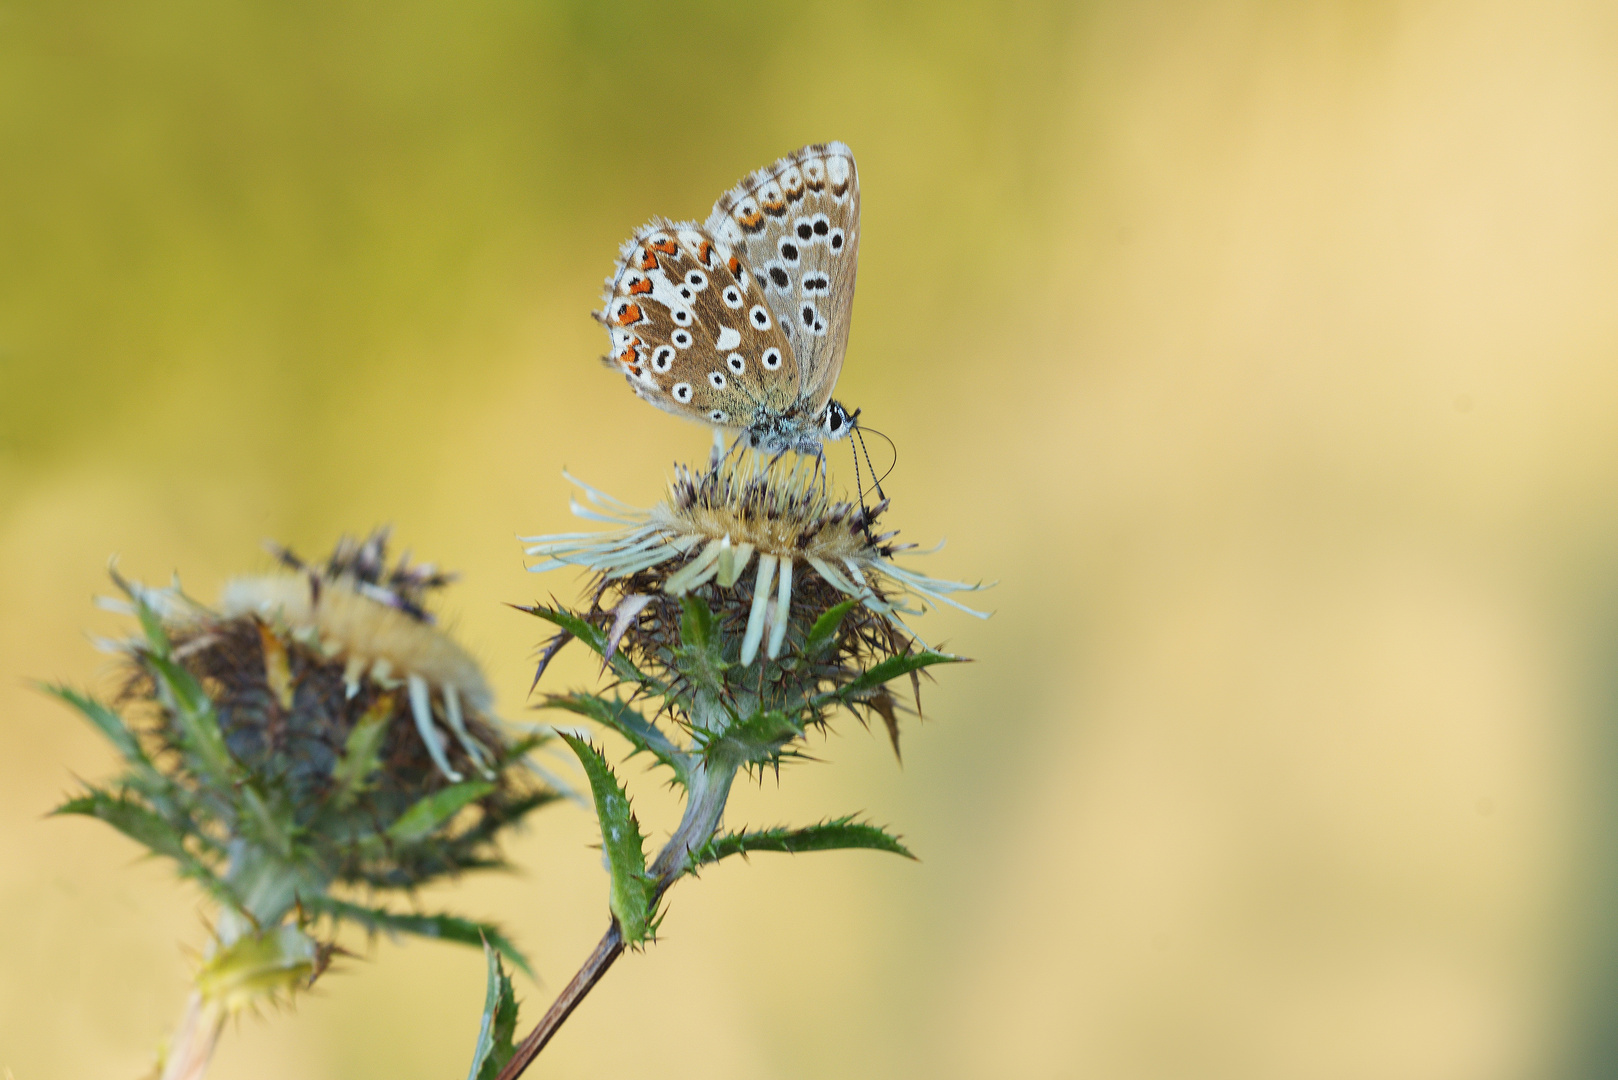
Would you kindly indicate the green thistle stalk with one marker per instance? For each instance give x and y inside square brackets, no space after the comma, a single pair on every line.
[312,741]
[745,610]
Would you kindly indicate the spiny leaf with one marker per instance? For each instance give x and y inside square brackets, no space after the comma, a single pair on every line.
[106,721]
[837,834]
[696,622]
[133,820]
[269,818]
[150,831]
[179,689]
[494,1047]
[361,752]
[428,813]
[617,715]
[595,639]
[759,737]
[891,668]
[442,927]
[630,899]
[824,631]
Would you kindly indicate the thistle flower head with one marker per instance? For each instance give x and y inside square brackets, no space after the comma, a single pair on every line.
[767,552]
[313,730]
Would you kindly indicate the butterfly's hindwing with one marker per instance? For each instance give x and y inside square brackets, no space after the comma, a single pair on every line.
[798,222]
[692,330]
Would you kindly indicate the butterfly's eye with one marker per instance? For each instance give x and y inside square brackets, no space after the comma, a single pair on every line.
[718,416]
[837,421]
[735,362]
[681,338]
[682,316]
[789,250]
[733,297]
[836,240]
[697,280]
[682,392]
[760,317]
[663,358]
[771,358]
[717,378]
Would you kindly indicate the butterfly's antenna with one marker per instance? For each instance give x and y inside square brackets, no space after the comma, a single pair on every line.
[859,485]
[876,481]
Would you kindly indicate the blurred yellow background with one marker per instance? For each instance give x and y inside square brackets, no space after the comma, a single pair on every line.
[1263,353]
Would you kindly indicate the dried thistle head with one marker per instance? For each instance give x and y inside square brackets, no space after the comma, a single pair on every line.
[313,731]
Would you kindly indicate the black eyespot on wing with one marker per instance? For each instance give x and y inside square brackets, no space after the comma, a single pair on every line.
[789,252]
[805,230]
[822,227]
[779,276]
[808,314]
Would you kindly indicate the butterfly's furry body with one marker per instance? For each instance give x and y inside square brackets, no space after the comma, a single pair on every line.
[742,322]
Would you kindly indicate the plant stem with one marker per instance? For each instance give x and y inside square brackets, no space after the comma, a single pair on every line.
[705,804]
[193,1044]
[609,949]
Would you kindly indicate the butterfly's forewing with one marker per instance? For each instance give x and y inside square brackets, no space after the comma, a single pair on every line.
[692,331]
[798,222]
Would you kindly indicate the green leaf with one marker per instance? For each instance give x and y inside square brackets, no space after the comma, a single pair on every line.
[759,737]
[150,831]
[268,820]
[595,639]
[133,820]
[106,721]
[192,710]
[427,814]
[824,631]
[362,752]
[641,733]
[499,1024]
[696,622]
[837,834]
[630,899]
[701,652]
[157,639]
[891,668]
[441,927]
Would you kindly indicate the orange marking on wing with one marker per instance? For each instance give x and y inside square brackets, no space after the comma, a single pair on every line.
[649,262]
[750,221]
[629,316]
[666,247]
[644,285]
[629,351]
[734,266]
[705,253]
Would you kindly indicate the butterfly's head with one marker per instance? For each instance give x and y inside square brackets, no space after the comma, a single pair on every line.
[837,422]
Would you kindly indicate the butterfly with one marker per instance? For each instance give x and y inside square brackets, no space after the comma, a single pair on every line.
[742,322]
